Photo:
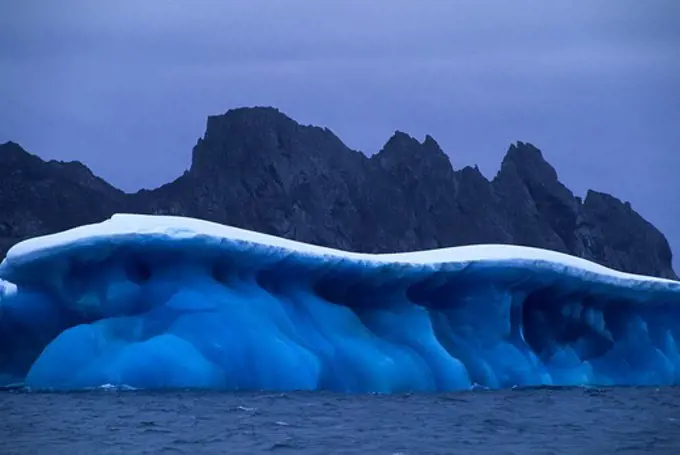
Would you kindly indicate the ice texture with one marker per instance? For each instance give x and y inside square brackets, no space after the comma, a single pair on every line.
[170,302]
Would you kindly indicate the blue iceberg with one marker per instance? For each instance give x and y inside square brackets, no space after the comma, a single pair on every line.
[169,302]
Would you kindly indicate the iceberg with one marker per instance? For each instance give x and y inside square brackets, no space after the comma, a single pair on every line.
[148,301]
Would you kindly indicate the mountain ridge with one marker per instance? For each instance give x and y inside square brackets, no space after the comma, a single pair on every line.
[256,168]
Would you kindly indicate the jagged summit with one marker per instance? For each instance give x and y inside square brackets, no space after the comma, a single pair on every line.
[9,145]
[254,119]
[529,162]
[400,138]
[399,141]
[12,153]
[39,196]
[430,144]
[257,168]
[242,135]
[404,154]
[245,117]
[15,157]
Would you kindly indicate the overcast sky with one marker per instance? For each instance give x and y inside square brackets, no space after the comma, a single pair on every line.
[126,86]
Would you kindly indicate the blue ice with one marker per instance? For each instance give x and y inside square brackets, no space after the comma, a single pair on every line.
[168,302]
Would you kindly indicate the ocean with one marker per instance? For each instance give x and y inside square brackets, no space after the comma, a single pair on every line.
[543,420]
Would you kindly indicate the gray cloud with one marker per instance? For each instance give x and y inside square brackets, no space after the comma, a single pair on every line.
[126,86]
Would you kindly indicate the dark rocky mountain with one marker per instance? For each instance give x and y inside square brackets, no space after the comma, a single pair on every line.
[258,169]
[39,197]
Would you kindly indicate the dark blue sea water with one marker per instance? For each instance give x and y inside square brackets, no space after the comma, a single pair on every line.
[529,421]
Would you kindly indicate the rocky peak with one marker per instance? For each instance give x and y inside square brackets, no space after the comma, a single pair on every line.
[13,155]
[430,143]
[544,196]
[22,165]
[528,161]
[599,199]
[256,136]
[399,146]
[403,155]
[39,197]
[9,147]
[614,233]
[247,118]
[230,138]
[80,174]
[536,173]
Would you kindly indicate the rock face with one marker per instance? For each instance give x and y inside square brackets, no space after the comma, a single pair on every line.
[258,169]
[38,197]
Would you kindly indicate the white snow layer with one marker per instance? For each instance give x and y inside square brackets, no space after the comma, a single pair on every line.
[128,228]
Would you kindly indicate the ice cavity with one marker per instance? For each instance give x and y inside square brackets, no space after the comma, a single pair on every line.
[158,302]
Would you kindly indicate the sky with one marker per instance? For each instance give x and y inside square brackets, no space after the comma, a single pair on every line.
[126,86]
